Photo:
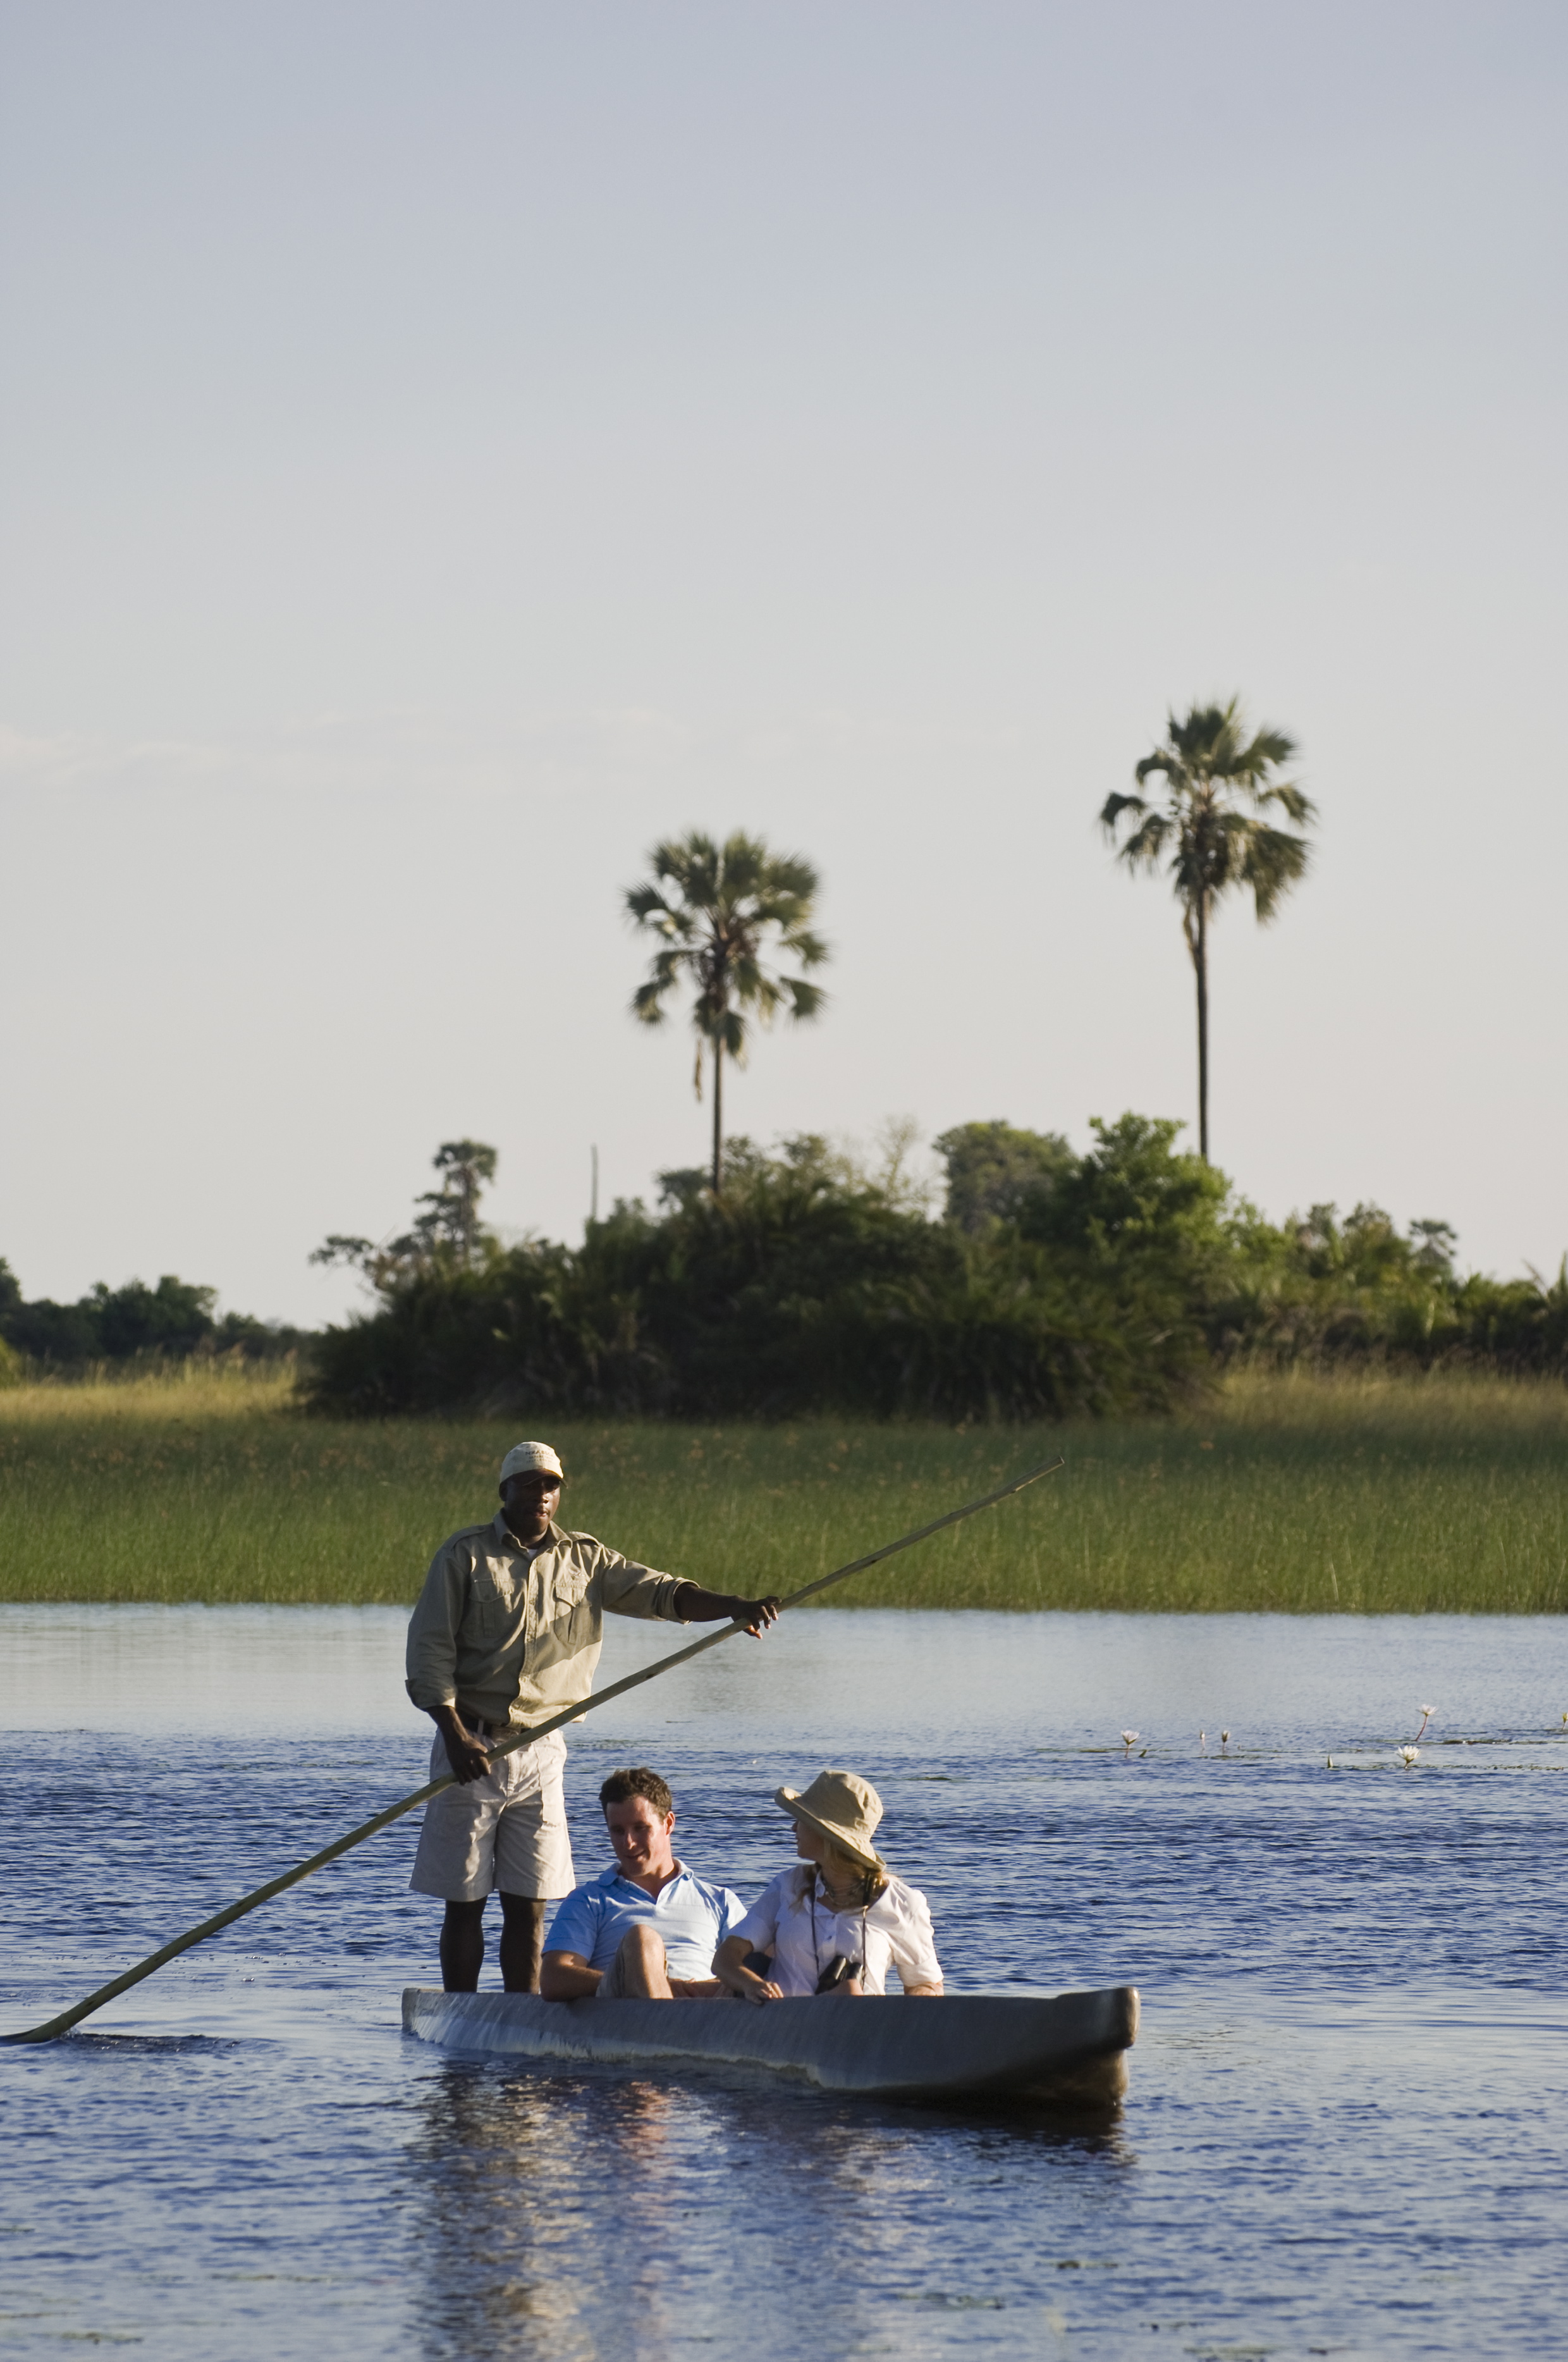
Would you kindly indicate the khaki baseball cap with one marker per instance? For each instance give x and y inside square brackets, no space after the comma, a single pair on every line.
[530,1460]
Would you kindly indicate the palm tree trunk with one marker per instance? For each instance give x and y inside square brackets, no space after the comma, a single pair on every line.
[1201,962]
[718,1117]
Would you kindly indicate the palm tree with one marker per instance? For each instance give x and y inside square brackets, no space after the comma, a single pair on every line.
[715,907]
[1211,770]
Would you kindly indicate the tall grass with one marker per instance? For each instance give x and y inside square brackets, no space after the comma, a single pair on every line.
[1367,1495]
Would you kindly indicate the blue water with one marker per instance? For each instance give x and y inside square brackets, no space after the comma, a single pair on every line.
[1345,2132]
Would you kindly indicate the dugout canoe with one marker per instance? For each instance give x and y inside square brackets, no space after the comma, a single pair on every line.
[1067,2050]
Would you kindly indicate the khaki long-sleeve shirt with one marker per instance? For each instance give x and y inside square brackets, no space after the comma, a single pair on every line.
[511,1635]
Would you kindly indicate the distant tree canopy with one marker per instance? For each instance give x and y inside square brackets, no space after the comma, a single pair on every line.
[135,1322]
[445,1236]
[992,1169]
[1052,1283]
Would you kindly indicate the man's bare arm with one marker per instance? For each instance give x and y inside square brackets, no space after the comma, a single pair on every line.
[695,1605]
[566,1976]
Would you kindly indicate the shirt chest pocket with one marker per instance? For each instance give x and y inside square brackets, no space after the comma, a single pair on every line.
[492,1605]
[571,1608]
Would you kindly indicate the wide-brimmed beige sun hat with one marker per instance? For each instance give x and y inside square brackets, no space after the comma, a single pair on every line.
[843,1809]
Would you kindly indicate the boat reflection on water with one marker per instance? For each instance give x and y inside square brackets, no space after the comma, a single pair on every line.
[591,2214]
[522,2191]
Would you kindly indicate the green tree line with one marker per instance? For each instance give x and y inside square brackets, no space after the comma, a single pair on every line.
[125,1325]
[1048,1284]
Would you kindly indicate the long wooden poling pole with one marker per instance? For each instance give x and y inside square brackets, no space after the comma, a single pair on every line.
[56,2026]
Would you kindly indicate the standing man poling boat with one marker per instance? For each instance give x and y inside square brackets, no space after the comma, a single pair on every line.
[507,1633]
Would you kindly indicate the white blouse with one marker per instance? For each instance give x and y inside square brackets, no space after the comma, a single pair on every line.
[791,1919]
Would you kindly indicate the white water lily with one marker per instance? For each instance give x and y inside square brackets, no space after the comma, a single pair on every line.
[1224,1739]
[1127,1738]
[1409,1755]
[1427,1712]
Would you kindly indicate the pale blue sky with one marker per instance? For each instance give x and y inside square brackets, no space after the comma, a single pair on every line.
[445,447]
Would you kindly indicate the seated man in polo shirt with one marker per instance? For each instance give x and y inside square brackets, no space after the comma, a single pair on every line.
[647,1930]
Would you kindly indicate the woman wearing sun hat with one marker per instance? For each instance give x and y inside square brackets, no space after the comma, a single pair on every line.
[839,1918]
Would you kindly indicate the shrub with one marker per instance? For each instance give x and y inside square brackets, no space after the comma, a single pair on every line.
[1118,1281]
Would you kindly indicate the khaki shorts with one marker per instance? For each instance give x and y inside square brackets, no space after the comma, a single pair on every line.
[506,1831]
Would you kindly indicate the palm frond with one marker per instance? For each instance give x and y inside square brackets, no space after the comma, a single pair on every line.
[1291,800]
[1275,861]
[731,1030]
[1147,842]
[753,986]
[809,998]
[806,947]
[691,864]
[1269,749]
[1114,806]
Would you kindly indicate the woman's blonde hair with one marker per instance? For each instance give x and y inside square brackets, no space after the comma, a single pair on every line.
[843,1868]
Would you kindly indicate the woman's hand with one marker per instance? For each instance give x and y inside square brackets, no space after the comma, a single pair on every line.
[729,1967]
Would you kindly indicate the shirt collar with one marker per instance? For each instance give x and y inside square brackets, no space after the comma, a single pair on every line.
[552,1538]
[618,1877]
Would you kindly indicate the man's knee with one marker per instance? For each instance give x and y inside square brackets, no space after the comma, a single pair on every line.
[641,1968]
[466,1915]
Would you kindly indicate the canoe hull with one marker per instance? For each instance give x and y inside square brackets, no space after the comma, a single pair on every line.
[1069,2050]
